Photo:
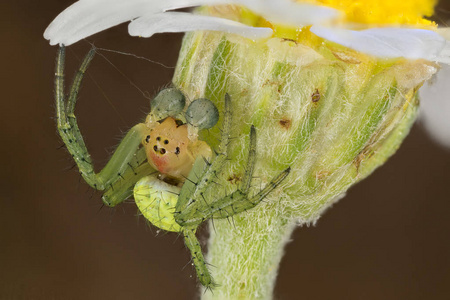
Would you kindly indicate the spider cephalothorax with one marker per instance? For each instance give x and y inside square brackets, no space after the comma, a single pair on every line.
[169,149]
[171,142]
[163,164]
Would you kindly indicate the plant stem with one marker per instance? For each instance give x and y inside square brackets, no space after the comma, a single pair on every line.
[245,253]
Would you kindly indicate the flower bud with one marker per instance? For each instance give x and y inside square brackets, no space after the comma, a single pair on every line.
[331,114]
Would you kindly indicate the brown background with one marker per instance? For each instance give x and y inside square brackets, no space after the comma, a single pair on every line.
[388,239]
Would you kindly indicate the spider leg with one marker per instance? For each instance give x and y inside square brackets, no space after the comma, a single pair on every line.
[122,189]
[251,160]
[124,168]
[198,260]
[237,201]
[203,173]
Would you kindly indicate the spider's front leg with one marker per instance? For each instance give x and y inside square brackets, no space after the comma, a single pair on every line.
[203,173]
[128,163]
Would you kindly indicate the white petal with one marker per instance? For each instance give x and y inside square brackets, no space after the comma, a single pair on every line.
[390,42]
[146,26]
[87,17]
[435,106]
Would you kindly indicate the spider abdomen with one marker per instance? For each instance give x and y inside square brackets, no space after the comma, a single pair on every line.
[156,200]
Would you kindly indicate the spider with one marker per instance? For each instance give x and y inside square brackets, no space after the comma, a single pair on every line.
[163,163]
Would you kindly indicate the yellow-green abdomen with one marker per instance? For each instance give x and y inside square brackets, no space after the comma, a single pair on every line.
[157,200]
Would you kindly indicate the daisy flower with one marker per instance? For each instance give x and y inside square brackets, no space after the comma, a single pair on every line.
[330,85]
[418,38]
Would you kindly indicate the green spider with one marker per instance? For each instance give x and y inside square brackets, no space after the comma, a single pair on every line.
[167,144]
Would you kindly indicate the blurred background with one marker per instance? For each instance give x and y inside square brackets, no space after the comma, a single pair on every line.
[388,239]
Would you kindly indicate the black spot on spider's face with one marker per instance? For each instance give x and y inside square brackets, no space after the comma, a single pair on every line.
[158,138]
[166,142]
[162,151]
[177,150]
[155,148]
[147,139]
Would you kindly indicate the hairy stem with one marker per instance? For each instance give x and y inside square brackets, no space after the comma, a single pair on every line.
[245,254]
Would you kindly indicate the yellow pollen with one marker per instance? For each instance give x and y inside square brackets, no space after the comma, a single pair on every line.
[383,12]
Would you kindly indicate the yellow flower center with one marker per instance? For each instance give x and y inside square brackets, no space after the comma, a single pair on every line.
[356,14]
[383,12]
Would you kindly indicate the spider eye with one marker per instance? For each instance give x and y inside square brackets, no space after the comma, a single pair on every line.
[202,113]
[168,102]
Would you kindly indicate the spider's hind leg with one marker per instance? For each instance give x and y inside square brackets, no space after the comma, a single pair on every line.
[239,200]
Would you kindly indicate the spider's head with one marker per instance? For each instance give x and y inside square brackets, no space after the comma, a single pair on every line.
[167,148]
[171,144]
